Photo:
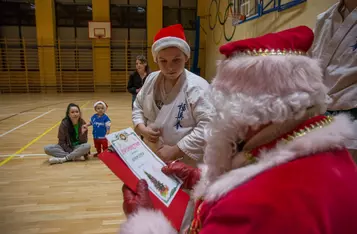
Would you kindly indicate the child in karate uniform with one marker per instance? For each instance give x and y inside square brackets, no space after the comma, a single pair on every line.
[101,126]
[335,46]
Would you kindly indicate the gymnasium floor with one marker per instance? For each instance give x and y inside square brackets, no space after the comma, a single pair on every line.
[75,197]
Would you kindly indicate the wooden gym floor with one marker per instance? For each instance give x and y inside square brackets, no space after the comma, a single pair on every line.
[74,197]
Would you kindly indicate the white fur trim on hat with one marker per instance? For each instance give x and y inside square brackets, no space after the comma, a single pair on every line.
[100,102]
[167,42]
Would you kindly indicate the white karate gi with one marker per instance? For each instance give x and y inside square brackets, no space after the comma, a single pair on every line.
[183,116]
[335,45]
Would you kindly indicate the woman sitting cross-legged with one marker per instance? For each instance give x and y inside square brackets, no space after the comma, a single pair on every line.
[72,138]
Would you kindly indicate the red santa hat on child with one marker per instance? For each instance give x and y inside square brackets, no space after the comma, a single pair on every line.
[171,36]
[101,102]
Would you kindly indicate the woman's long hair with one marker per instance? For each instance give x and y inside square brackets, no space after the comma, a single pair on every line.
[143,60]
[71,131]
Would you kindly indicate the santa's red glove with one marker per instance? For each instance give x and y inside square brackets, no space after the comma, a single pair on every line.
[135,200]
[189,175]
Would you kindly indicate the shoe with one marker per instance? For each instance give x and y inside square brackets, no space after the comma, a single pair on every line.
[86,157]
[54,160]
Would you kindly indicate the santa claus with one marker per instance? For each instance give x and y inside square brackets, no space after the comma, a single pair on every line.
[273,163]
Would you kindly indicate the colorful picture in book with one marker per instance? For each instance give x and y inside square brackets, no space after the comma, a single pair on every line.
[163,189]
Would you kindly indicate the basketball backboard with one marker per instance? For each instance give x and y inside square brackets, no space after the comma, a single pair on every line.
[240,10]
[99,30]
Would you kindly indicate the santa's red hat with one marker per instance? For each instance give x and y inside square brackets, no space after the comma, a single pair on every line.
[171,36]
[269,78]
[294,41]
[279,61]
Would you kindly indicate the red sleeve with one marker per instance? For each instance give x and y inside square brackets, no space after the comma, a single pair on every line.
[221,220]
[257,218]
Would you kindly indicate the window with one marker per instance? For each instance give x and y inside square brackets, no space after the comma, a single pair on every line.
[128,19]
[17,13]
[137,2]
[74,50]
[17,22]
[171,3]
[128,16]
[137,17]
[73,15]
[75,1]
[189,4]
[129,2]
[171,16]
[119,16]
[188,18]
[180,12]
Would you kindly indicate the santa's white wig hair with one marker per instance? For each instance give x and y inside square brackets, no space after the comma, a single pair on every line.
[251,91]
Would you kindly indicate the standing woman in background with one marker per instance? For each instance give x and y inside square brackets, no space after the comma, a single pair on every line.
[137,78]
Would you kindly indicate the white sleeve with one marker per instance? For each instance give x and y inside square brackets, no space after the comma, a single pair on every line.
[147,222]
[138,112]
[138,105]
[192,144]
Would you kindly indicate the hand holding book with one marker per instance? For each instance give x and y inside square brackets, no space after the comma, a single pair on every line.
[141,199]
[138,199]
[133,162]
[187,174]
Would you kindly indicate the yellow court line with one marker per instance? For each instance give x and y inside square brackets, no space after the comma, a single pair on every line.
[34,140]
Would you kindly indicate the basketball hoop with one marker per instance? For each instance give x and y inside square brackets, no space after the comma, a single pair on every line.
[237,18]
[236,13]
[99,30]
[99,33]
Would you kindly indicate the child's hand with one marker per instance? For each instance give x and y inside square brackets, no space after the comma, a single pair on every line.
[151,134]
[111,149]
[84,128]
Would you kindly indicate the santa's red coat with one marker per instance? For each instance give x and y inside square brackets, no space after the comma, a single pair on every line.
[316,195]
[291,190]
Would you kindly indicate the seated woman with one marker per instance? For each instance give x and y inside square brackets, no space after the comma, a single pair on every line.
[138,77]
[72,138]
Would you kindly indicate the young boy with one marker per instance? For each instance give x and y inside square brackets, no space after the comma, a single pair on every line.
[101,126]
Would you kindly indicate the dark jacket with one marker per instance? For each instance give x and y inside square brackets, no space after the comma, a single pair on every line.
[135,82]
[64,139]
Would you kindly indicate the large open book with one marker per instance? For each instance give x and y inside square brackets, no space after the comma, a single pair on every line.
[133,160]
